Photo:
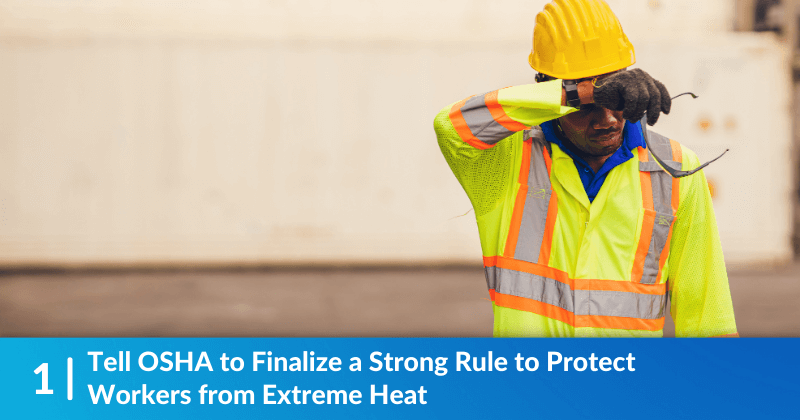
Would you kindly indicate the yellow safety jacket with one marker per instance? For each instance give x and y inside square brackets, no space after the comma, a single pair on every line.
[557,264]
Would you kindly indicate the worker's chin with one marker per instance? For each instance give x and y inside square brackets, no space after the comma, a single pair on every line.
[606,143]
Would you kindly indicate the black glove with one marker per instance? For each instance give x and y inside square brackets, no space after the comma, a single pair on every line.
[633,92]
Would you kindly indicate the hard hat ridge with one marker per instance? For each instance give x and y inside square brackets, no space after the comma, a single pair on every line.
[573,39]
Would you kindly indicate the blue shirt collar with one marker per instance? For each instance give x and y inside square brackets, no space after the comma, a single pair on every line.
[631,139]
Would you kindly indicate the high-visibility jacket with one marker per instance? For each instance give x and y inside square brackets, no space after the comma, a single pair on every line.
[557,264]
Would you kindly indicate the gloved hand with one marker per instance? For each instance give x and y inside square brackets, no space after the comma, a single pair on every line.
[633,92]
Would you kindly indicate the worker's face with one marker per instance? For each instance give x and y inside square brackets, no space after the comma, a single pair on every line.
[594,130]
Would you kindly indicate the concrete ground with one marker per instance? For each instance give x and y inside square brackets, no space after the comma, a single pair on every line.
[332,302]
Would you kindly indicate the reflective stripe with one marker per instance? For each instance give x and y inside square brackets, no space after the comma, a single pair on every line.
[521,279]
[532,286]
[648,220]
[677,157]
[519,203]
[537,202]
[481,121]
[577,321]
[580,302]
[552,214]
[461,127]
[499,114]
[538,176]
[677,154]
[482,124]
[661,180]
[653,166]
[630,305]
[663,148]
[575,284]
[660,230]
[659,213]
[662,202]
[491,279]
[535,133]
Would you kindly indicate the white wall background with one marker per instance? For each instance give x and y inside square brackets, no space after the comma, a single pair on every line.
[301,131]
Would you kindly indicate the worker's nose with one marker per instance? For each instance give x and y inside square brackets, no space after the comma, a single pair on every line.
[605,119]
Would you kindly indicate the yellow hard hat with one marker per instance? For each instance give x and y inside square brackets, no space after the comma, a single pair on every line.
[573,39]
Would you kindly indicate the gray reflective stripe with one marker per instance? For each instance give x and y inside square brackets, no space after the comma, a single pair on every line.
[491,277]
[531,286]
[579,302]
[538,175]
[653,166]
[661,185]
[481,123]
[534,216]
[534,132]
[627,304]
[663,149]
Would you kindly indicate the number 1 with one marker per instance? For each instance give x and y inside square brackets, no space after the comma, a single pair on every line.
[43,370]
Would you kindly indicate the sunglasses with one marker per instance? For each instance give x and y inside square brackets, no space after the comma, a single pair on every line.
[673,172]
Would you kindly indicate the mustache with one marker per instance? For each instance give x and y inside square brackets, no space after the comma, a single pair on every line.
[603,132]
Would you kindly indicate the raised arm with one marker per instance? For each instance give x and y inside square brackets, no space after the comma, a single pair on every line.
[471,134]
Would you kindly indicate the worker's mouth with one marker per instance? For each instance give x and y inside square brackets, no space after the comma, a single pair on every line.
[606,136]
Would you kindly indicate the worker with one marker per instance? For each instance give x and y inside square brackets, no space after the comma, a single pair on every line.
[583,232]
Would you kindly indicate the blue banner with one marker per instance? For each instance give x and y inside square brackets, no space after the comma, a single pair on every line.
[135,378]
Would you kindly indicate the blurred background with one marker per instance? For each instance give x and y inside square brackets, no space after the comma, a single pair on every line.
[269,168]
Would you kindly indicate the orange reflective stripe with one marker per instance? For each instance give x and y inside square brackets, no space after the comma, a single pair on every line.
[575,284]
[530,305]
[499,114]
[524,266]
[491,294]
[619,322]
[519,203]
[620,286]
[647,221]
[549,230]
[516,221]
[564,315]
[552,213]
[524,168]
[676,194]
[662,259]
[457,119]
[577,321]
[644,177]
[677,156]
[642,154]
[644,244]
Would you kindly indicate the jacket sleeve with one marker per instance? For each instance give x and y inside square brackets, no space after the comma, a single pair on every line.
[701,303]
[470,133]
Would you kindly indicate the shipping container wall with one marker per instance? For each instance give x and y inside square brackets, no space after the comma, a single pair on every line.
[132,133]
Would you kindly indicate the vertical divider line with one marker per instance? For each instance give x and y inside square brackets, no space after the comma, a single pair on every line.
[69,378]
